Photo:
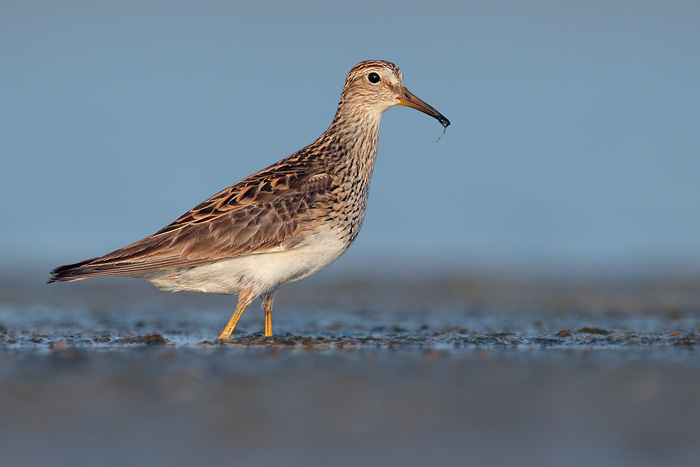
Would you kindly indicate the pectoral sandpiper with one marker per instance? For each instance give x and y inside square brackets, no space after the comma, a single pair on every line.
[279,225]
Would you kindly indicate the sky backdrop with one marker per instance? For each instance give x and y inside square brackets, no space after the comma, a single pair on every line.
[575,137]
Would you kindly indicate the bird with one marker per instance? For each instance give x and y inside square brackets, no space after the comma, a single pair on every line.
[279,225]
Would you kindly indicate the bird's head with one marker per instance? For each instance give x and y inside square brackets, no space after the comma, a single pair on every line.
[377,85]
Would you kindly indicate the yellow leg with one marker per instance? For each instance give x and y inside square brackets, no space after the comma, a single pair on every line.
[244,299]
[267,305]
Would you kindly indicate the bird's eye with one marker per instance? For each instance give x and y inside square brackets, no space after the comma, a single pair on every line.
[373,78]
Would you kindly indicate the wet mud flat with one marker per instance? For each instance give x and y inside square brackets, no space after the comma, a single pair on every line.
[449,371]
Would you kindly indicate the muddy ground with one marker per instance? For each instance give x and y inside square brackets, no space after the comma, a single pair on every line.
[400,372]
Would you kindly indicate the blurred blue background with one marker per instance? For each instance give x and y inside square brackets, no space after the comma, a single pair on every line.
[574,143]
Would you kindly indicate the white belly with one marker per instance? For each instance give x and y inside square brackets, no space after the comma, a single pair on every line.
[260,272]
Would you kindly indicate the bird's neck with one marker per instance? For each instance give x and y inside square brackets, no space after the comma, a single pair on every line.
[352,138]
[349,149]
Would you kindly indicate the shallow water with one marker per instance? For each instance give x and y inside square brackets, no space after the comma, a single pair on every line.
[450,370]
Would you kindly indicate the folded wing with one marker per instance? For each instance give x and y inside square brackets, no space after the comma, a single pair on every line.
[269,210]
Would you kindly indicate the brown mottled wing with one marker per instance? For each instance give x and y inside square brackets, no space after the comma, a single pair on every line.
[268,210]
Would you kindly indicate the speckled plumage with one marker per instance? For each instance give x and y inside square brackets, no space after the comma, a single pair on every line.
[278,225]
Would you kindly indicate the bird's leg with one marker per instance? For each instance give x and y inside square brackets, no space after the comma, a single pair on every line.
[267,299]
[244,299]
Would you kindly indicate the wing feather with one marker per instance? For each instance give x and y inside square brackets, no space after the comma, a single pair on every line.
[268,210]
